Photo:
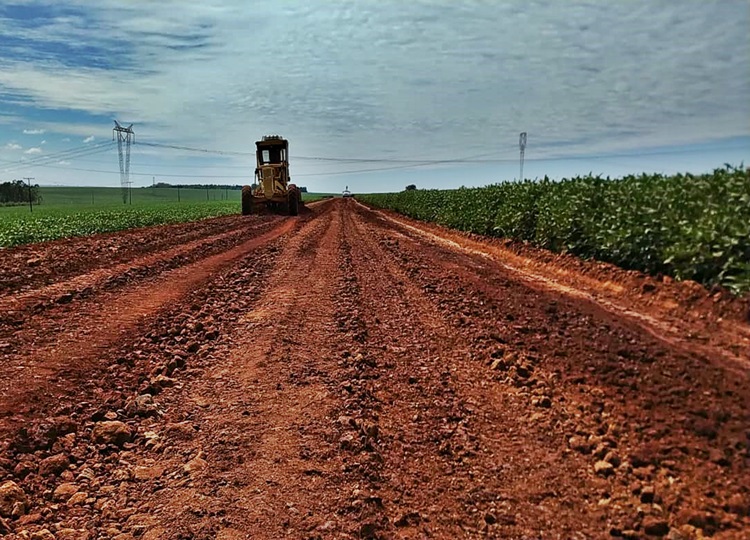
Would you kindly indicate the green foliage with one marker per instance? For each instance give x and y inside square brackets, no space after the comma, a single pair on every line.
[59,222]
[105,196]
[686,226]
[312,197]
[18,192]
[80,211]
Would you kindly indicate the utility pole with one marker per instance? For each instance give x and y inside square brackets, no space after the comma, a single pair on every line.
[126,136]
[178,192]
[153,181]
[522,146]
[29,179]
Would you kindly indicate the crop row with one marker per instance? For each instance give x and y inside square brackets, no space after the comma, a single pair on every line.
[686,226]
[44,225]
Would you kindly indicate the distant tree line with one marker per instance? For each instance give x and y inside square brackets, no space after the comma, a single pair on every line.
[17,192]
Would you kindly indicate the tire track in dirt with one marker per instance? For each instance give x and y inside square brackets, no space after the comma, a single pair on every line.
[35,265]
[349,379]
[170,350]
[727,339]
[84,285]
[86,336]
[446,430]
[272,447]
[666,419]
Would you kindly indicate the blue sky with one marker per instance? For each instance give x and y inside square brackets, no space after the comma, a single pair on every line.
[603,87]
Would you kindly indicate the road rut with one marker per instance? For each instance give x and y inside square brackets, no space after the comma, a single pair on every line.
[351,374]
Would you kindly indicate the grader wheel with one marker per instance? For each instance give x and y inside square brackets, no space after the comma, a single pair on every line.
[247,200]
[293,200]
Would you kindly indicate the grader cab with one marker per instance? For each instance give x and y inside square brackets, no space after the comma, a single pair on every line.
[272,190]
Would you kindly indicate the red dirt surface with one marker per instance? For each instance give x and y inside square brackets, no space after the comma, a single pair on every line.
[355,374]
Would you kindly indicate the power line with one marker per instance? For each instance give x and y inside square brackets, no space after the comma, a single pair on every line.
[64,153]
[101,171]
[74,153]
[411,165]
[52,157]
[356,171]
[420,162]
[387,160]
[330,173]
[174,166]
[57,156]
[353,171]
[310,158]
[626,154]
[193,149]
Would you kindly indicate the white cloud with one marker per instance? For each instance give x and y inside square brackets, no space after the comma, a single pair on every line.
[43,142]
[421,79]
[63,162]
[33,150]
[13,146]
[33,131]
[78,129]
[88,139]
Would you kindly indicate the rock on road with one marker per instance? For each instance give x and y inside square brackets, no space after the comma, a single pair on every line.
[354,374]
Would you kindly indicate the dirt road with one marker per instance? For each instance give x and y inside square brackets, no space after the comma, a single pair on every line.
[354,374]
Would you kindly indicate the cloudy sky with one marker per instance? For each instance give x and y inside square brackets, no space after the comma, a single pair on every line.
[603,86]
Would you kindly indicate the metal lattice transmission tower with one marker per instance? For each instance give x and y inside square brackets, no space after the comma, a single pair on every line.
[522,146]
[125,136]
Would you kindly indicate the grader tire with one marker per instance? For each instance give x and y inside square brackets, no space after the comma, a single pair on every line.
[293,203]
[247,200]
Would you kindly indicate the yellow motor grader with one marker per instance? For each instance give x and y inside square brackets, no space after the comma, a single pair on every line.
[272,188]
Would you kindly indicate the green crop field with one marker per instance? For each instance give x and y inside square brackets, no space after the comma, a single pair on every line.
[51,223]
[86,197]
[81,211]
[56,196]
[687,226]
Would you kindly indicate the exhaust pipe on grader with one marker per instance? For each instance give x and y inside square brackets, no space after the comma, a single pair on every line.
[273,190]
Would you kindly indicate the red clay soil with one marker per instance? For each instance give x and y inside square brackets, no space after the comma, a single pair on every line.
[354,374]
[30,266]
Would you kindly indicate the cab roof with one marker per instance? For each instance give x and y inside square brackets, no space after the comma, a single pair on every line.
[271,141]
